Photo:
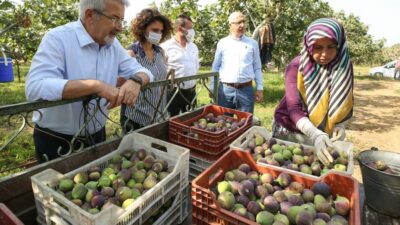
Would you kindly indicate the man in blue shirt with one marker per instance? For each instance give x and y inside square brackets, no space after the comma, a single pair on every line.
[237,59]
[79,59]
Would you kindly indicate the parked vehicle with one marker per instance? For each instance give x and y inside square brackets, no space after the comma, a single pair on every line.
[386,70]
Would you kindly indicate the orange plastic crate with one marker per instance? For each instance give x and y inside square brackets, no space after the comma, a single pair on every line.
[206,210]
[207,145]
[7,217]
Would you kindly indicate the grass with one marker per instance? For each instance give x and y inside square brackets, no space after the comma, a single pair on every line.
[21,150]
[360,71]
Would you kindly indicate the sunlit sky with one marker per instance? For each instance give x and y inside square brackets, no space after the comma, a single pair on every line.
[380,16]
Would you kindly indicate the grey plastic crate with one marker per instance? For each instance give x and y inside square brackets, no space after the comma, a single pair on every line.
[52,203]
[242,142]
[197,166]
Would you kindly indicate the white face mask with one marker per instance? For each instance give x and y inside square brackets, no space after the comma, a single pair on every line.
[153,38]
[190,35]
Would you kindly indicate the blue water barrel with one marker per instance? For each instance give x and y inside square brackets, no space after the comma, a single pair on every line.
[6,71]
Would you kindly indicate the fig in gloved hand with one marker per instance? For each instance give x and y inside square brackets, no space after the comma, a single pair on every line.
[322,143]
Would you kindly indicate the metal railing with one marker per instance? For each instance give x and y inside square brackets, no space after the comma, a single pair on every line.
[23,111]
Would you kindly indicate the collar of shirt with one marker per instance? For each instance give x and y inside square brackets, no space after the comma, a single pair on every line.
[83,36]
[179,44]
[140,49]
[237,39]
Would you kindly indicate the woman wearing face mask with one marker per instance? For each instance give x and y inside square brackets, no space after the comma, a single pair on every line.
[149,28]
[318,99]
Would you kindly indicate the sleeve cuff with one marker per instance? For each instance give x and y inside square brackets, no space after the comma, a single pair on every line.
[52,89]
[147,72]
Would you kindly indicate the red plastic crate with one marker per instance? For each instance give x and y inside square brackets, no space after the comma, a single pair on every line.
[207,145]
[7,217]
[206,211]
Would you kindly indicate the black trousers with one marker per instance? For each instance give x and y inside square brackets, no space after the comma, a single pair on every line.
[48,145]
[266,54]
[130,125]
[181,101]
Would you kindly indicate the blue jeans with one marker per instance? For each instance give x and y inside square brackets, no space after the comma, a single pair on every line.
[240,99]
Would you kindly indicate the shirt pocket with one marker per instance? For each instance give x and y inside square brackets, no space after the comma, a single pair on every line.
[247,54]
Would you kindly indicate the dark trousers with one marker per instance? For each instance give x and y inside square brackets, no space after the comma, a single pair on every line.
[48,145]
[182,100]
[266,53]
[128,125]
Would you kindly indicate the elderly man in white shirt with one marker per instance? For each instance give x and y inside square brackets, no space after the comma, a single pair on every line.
[237,59]
[182,56]
[78,59]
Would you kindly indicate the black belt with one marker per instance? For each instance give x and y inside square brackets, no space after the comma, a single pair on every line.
[239,85]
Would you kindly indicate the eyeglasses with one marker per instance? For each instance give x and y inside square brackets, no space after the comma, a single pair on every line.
[116,21]
[239,22]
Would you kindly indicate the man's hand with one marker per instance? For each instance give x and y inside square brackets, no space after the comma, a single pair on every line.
[128,93]
[120,81]
[259,96]
[110,93]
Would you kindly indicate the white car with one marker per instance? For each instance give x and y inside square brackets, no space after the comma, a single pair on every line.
[386,70]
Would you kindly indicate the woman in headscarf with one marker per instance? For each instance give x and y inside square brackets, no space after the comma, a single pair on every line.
[318,99]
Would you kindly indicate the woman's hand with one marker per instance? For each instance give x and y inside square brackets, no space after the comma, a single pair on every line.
[339,133]
[322,143]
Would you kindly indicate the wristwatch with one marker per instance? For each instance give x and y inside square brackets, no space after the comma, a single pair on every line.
[137,79]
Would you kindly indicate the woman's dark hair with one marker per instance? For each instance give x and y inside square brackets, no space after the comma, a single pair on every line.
[144,19]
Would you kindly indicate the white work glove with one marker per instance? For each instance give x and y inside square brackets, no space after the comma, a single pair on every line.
[320,139]
[339,132]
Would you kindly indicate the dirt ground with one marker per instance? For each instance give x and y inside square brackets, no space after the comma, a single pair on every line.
[376,118]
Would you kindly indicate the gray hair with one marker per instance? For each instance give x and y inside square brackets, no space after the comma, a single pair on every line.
[235,15]
[96,4]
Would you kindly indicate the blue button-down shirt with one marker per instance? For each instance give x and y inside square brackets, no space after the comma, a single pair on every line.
[67,53]
[238,61]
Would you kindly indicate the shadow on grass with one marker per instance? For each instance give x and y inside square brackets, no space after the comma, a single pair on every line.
[373,78]
[366,119]
[368,86]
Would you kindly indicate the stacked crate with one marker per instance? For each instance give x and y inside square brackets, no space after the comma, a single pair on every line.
[206,146]
[53,208]
[206,210]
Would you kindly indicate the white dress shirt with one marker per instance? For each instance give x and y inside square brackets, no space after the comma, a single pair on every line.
[238,61]
[185,61]
[67,53]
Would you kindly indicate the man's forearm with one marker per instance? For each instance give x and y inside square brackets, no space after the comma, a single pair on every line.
[144,77]
[80,88]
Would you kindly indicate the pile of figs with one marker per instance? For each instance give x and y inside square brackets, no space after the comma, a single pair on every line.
[381,166]
[219,123]
[128,176]
[294,157]
[281,200]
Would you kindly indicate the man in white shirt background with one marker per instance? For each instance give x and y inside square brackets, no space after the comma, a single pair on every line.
[237,59]
[182,56]
[78,59]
